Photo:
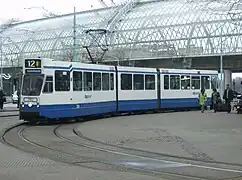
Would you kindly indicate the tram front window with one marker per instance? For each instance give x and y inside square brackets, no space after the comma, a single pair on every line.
[32,85]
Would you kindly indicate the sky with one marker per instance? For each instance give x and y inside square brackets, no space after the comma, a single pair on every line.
[17,9]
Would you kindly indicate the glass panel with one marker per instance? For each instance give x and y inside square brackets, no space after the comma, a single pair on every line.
[105,81]
[174,82]
[48,88]
[77,81]
[195,82]
[111,81]
[97,81]
[126,81]
[214,82]
[149,82]
[138,82]
[62,81]
[87,81]
[185,82]
[166,82]
[32,85]
[205,82]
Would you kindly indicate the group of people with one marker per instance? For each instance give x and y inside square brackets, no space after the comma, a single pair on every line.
[216,99]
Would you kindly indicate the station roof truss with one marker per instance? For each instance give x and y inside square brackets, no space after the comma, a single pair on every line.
[138,29]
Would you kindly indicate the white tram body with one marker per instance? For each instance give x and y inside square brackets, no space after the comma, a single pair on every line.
[56,89]
[135,90]
[181,87]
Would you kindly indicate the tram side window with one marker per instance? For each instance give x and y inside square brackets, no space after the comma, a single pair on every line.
[97,81]
[87,81]
[111,81]
[48,88]
[105,81]
[126,81]
[77,81]
[195,82]
[174,82]
[205,82]
[138,82]
[166,82]
[214,82]
[149,82]
[185,82]
[62,81]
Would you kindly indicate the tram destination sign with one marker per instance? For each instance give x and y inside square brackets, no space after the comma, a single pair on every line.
[33,71]
[32,63]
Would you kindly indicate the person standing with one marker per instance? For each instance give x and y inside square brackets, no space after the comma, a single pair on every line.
[2,98]
[215,99]
[202,99]
[18,94]
[228,97]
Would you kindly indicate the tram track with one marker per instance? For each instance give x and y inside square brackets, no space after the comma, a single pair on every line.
[85,152]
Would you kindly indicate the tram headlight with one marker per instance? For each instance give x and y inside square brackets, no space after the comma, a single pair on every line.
[30,104]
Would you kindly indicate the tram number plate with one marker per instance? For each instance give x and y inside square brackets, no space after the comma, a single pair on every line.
[32,63]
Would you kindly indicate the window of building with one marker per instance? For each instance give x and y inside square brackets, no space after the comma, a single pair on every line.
[87,78]
[48,88]
[105,81]
[97,81]
[149,82]
[214,82]
[205,82]
[62,80]
[126,81]
[185,82]
[166,82]
[138,82]
[174,82]
[195,82]
[111,81]
[77,81]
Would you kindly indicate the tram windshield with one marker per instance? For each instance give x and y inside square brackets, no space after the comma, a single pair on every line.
[32,85]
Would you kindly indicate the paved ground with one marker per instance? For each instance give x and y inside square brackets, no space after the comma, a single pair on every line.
[193,134]
[17,165]
[9,109]
[209,136]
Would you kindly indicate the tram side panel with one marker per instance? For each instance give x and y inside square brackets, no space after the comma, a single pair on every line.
[180,89]
[97,94]
[137,89]
[56,96]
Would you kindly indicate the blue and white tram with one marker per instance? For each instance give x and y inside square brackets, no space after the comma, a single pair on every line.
[56,89]
[180,87]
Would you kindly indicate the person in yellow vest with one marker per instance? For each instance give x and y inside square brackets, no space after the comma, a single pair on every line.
[202,99]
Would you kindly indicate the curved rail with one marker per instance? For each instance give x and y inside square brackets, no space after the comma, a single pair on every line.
[95,147]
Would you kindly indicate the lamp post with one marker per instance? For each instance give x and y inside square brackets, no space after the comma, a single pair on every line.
[1,62]
[74,37]
[221,62]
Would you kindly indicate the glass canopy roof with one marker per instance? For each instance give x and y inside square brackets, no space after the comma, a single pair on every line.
[137,30]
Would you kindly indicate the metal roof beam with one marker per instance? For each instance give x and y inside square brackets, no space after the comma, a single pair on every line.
[119,13]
